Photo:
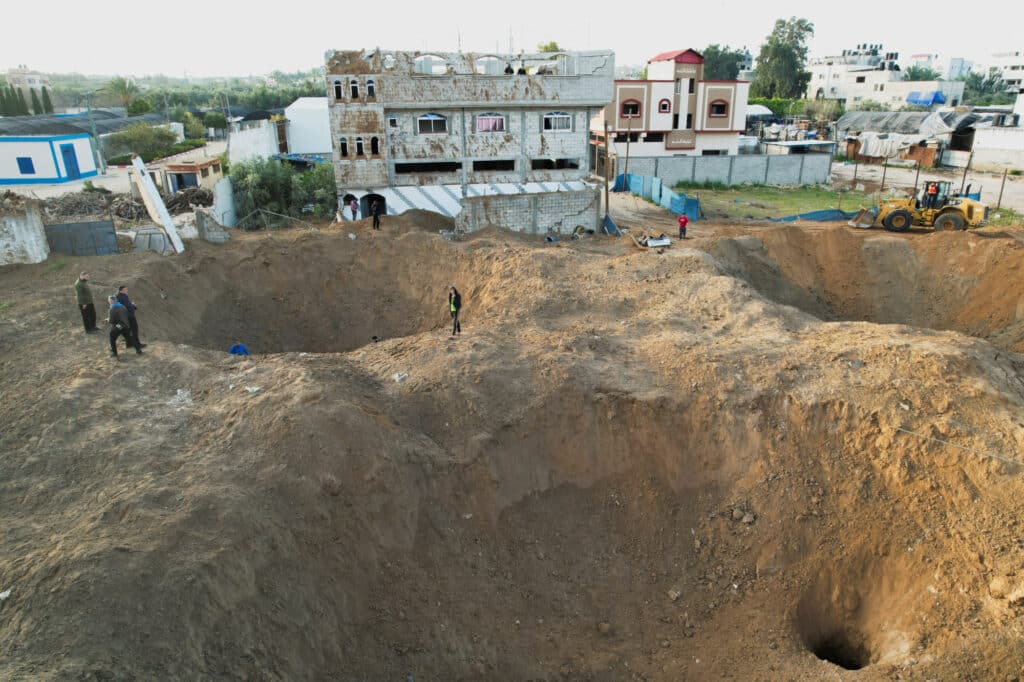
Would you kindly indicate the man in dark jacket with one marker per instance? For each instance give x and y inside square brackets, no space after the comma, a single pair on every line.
[85,305]
[375,210]
[120,326]
[454,306]
[122,298]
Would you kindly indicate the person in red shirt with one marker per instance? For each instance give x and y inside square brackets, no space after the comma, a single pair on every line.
[683,221]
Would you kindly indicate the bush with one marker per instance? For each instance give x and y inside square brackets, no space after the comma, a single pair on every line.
[139,138]
[264,185]
[176,148]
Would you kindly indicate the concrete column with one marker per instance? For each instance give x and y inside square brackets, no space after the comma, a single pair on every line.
[523,161]
[462,152]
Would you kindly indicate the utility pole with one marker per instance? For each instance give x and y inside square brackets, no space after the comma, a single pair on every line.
[629,128]
[101,165]
[607,163]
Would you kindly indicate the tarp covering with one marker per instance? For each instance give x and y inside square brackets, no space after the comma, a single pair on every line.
[610,227]
[825,215]
[926,99]
[905,122]
[759,111]
[652,188]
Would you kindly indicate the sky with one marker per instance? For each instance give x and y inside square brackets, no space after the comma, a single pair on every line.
[240,39]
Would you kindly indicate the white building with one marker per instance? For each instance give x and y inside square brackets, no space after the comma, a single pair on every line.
[1010,66]
[23,78]
[308,127]
[44,159]
[828,73]
[958,68]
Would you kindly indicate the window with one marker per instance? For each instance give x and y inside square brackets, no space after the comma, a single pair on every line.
[557,120]
[679,85]
[205,172]
[392,121]
[675,121]
[691,88]
[860,79]
[664,106]
[26,166]
[216,168]
[343,146]
[495,165]
[621,137]
[359,146]
[490,123]
[354,86]
[631,109]
[371,89]
[431,64]
[428,167]
[432,123]
[689,122]
[337,89]
[713,152]
[718,109]
[654,137]
[554,164]
[374,146]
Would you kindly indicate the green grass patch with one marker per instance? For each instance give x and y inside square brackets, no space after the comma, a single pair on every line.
[57,265]
[4,305]
[763,201]
[1004,217]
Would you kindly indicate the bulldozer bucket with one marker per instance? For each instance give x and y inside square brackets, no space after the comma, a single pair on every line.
[865,218]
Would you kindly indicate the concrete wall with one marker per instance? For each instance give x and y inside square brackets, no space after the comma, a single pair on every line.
[46,156]
[23,237]
[746,169]
[998,148]
[559,212]
[254,143]
[309,126]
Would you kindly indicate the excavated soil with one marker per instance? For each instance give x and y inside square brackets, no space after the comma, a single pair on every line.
[782,453]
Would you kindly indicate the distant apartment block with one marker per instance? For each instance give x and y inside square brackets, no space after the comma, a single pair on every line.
[1010,67]
[24,78]
[675,112]
[447,131]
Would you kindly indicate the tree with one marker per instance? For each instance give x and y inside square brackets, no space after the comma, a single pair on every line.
[781,61]
[22,104]
[823,109]
[122,89]
[193,127]
[47,104]
[215,120]
[721,63]
[549,47]
[868,105]
[37,108]
[920,73]
[139,107]
[980,89]
[139,138]
[5,105]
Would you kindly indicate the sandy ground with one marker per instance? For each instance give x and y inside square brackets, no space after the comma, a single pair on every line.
[116,178]
[989,184]
[770,453]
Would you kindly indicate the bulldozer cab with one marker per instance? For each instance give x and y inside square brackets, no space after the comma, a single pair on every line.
[941,194]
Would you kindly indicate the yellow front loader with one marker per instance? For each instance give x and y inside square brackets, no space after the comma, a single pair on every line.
[940,210]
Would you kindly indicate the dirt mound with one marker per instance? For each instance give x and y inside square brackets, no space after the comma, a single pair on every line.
[629,466]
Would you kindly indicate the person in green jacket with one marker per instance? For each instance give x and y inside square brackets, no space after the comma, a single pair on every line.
[85,305]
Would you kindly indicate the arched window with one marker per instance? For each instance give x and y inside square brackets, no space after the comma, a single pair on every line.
[343,146]
[719,108]
[374,146]
[490,123]
[431,64]
[371,89]
[359,146]
[432,123]
[665,107]
[557,120]
[631,108]
[489,65]
[337,89]
[354,87]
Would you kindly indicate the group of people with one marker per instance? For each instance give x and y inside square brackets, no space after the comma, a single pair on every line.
[120,315]
[353,207]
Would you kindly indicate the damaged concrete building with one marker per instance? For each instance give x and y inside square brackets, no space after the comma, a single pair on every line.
[485,139]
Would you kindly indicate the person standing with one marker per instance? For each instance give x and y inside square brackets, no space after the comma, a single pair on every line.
[119,326]
[454,306]
[133,323]
[683,222]
[85,305]
[931,195]
[375,209]
[353,206]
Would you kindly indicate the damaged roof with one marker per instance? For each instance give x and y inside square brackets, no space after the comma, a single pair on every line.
[52,124]
[904,122]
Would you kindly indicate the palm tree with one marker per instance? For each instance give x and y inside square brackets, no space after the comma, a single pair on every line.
[122,89]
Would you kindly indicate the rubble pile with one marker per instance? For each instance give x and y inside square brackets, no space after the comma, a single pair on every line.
[187,199]
[126,208]
[9,201]
[77,204]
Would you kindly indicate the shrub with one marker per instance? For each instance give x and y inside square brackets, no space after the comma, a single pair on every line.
[265,185]
[139,138]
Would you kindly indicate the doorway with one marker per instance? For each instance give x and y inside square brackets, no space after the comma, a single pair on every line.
[67,152]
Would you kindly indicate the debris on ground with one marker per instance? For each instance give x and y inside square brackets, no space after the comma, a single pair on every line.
[188,199]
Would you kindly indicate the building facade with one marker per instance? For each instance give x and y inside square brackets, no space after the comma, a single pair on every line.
[23,78]
[45,159]
[675,112]
[435,130]
[1010,67]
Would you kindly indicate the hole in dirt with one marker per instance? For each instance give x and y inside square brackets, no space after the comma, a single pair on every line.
[946,281]
[842,649]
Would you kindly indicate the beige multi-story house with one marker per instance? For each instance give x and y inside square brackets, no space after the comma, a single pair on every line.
[674,112]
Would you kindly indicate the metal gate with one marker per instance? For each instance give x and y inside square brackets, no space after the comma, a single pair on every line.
[95,238]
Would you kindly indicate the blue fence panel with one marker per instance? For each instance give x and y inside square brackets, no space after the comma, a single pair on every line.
[691,209]
[648,187]
[620,183]
[656,187]
[636,184]
[610,227]
[653,188]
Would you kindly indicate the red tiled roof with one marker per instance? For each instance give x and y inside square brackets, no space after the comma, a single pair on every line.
[679,57]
